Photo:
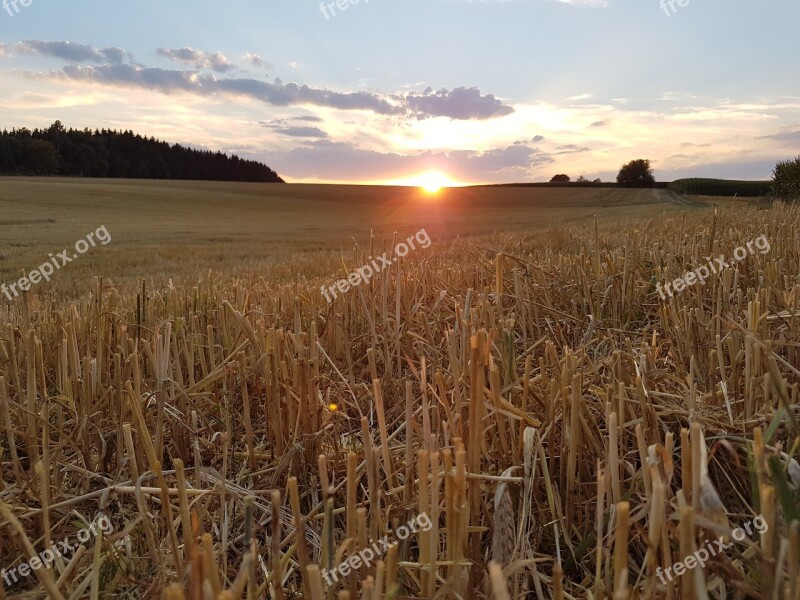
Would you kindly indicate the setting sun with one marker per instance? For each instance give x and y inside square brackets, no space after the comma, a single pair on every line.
[431,182]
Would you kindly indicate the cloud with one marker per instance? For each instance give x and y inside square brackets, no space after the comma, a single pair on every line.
[277,94]
[283,127]
[461,103]
[71,52]
[217,61]
[163,80]
[600,123]
[791,138]
[288,94]
[337,161]
[256,60]
[572,149]
[306,132]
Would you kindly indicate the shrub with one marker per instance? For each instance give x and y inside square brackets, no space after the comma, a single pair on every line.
[786,179]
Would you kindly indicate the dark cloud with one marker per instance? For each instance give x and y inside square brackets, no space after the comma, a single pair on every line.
[599,123]
[461,103]
[538,138]
[280,94]
[792,138]
[112,69]
[68,51]
[162,80]
[307,132]
[456,105]
[284,127]
[217,62]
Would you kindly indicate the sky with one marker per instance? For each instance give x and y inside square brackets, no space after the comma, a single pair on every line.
[414,91]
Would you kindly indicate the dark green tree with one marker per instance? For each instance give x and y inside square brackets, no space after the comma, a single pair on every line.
[10,154]
[786,179]
[41,157]
[636,173]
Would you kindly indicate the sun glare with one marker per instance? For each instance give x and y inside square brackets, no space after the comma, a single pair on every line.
[432,182]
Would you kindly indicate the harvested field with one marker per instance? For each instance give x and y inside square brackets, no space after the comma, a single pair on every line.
[567,433]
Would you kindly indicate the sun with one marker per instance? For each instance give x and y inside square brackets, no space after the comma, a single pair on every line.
[432,182]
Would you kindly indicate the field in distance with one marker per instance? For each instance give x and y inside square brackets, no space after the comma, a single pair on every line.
[182,228]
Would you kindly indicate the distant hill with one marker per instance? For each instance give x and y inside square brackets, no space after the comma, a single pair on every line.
[118,154]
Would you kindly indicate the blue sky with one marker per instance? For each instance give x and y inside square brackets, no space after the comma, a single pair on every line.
[399,91]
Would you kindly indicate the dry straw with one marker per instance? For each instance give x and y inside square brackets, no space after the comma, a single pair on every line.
[567,431]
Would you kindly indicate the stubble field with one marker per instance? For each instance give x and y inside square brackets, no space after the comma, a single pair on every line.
[564,431]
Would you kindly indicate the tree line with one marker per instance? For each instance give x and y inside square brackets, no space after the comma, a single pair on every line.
[636,173]
[118,154]
[785,183]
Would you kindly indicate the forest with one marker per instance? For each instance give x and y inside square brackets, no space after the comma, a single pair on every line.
[118,154]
